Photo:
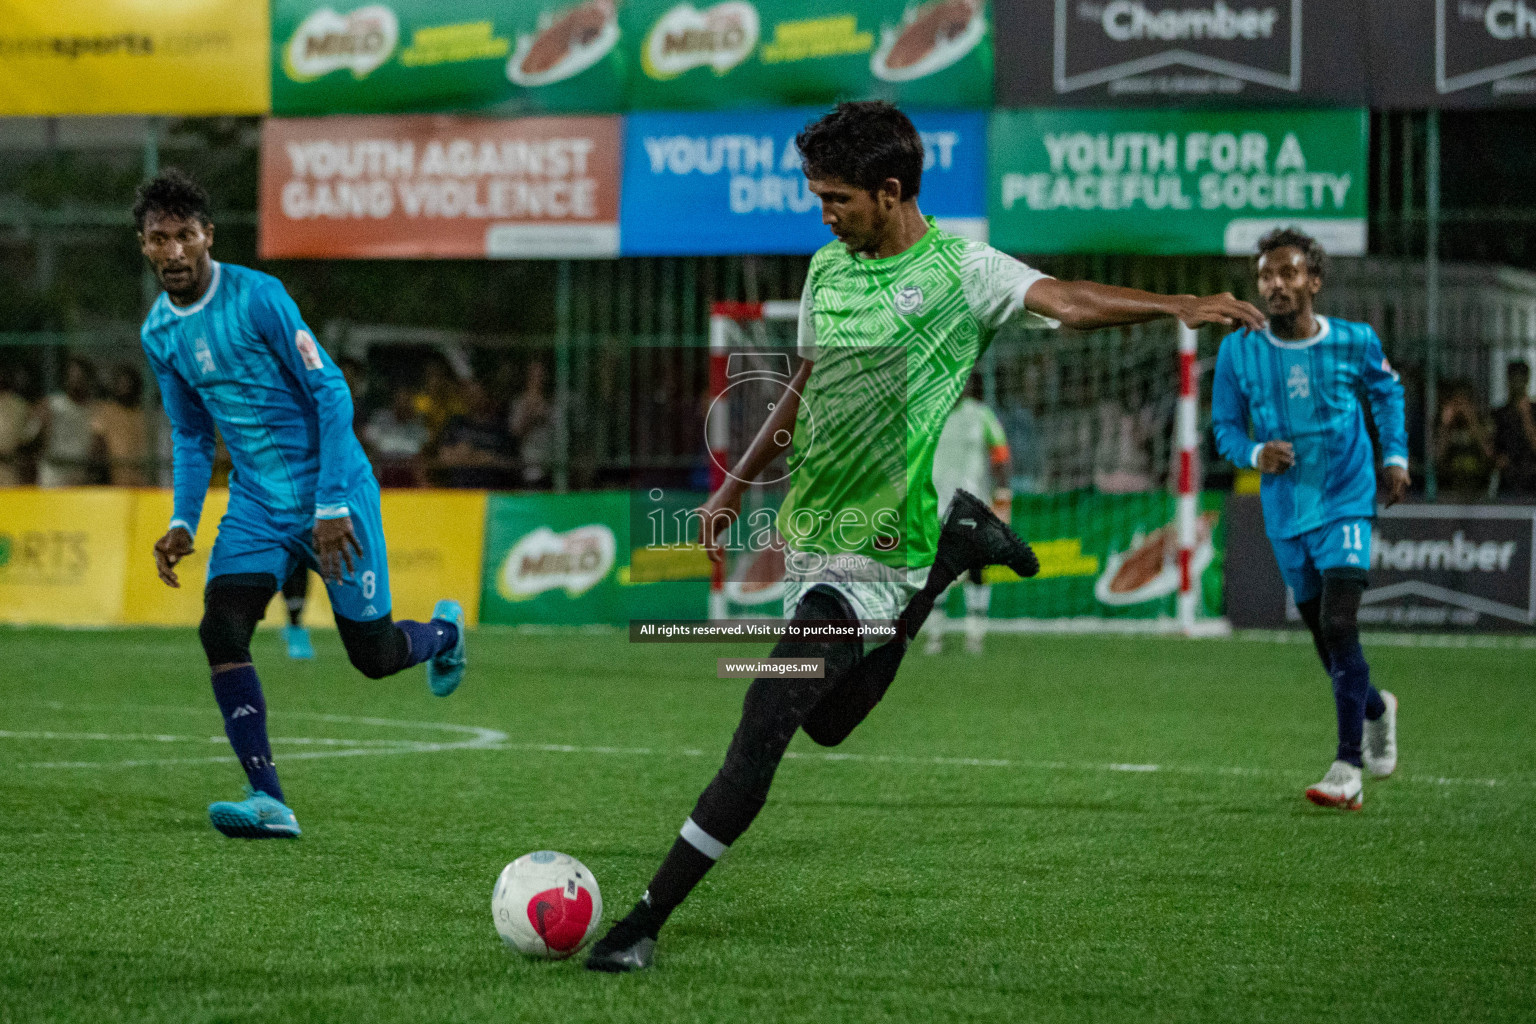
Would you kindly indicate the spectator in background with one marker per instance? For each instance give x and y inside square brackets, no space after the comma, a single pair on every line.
[14,414]
[440,398]
[531,421]
[1463,444]
[63,423]
[475,450]
[1514,434]
[395,439]
[122,434]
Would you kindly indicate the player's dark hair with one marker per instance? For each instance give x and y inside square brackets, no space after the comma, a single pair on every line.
[1311,251]
[172,193]
[863,144]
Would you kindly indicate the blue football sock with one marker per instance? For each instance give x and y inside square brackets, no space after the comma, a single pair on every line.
[238,692]
[428,639]
[1351,683]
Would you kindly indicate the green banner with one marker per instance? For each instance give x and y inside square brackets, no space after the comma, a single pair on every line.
[1106,556]
[1170,182]
[565,559]
[801,52]
[604,56]
[427,55]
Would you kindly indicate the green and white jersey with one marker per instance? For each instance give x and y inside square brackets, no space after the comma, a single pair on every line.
[893,341]
[963,458]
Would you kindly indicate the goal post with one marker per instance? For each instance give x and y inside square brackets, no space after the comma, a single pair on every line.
[1104,430]
[735,328]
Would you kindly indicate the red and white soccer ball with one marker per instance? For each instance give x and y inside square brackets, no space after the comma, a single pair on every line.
[546,905]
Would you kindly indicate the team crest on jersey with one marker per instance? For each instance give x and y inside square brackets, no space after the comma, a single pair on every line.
[909,300]
[1298,383]
[203,355]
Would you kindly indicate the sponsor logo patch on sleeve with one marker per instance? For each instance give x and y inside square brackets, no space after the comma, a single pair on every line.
[308,350]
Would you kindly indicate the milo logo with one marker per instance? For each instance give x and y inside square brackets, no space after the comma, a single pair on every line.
[326,41]
[718,37]
[574,561]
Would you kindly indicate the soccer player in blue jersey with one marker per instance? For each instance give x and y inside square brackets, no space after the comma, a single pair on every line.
[1297,382]
[232,352]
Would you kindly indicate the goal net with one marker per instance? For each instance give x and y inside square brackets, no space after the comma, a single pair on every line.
[1102,429]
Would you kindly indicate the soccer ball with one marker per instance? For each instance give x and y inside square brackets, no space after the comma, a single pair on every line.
[546,904]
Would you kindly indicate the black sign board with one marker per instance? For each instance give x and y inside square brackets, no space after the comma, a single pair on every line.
[1180,52]
[1453,53]
[1434,568]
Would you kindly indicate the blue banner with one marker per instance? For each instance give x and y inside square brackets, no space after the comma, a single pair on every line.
[728,183]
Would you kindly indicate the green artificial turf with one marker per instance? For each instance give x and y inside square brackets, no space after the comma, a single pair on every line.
[996,847]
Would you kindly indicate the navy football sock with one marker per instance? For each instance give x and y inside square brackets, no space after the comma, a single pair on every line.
[238,692]
[1351,681]
[1375,707]
[428,639]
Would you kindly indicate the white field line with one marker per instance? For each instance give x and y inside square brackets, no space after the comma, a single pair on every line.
[480,738]
[474,738]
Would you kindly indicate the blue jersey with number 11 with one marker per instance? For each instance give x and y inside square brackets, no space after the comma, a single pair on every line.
[1306,392]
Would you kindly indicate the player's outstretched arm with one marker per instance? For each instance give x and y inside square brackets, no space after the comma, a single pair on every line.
[192,448]
[1087,305]
[772,440]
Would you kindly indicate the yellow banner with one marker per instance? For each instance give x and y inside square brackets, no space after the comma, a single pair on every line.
[433,538]
[178,57]
[63,555]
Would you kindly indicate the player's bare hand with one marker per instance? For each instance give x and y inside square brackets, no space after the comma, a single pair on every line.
[716,516]
[1276,457]
[1395,486]
[336,547]
[1224,310]
[170,549]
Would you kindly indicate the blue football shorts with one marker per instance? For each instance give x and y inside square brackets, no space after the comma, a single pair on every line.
[1342,544]
[253,540]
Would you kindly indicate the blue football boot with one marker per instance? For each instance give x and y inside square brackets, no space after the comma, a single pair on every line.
[258,816]
[299,646]
[446,670]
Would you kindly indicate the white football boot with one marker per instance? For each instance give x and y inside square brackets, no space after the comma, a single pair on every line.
[1379,751]
[1341,788]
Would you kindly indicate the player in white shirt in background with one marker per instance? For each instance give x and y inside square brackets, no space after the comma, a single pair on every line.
[972,455]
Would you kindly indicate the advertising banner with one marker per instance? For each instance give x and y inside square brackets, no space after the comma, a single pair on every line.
[1181,52]
[191,57]
[1434,568]
[1107,556]
[424,55]
[735,53]
[63,554]
[434,543]
[1453,53]
[1167,182]
[565,559]
[712,184]
[452,187]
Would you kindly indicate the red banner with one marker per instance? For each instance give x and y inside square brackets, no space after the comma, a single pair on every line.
[448,187]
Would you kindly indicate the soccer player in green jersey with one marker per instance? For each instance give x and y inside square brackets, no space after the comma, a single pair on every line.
[893,317]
